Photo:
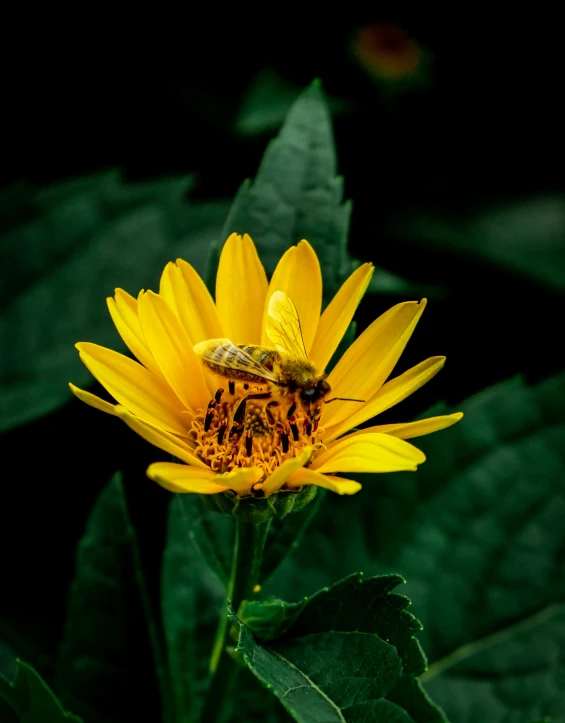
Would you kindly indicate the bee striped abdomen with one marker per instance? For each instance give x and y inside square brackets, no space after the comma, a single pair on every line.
[265,357]
[226,362]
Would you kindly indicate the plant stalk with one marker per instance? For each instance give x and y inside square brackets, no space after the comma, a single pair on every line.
[246,566]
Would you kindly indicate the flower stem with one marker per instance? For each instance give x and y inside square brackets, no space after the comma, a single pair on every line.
[246,565]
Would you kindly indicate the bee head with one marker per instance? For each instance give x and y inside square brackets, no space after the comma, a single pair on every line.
[315,392]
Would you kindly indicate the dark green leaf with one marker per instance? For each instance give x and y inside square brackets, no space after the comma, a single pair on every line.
[212,533]
[31,700]
[515,674]
[348,653]
[268,100]
[7,661]
[385,282]
[296,194]
[192,600]
[78,242]
[526,236]
[477,531]
[108,613]
[252,701]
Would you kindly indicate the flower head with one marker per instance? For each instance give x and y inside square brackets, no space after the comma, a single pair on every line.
[387,52]
[236,389]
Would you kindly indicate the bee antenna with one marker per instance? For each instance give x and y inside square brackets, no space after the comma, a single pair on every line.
[344,399]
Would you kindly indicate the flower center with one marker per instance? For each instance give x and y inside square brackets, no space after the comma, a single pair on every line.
[251,430]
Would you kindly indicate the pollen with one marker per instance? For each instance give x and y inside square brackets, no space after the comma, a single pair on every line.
[239,431]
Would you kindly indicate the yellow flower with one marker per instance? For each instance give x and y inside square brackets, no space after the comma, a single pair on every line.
[165,396]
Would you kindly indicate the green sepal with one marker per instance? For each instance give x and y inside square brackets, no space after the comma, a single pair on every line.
[257,510]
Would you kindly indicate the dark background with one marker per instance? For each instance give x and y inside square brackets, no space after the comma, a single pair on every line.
[482,130]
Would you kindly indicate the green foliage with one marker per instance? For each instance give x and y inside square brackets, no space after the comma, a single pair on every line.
[514,674]
[346,653]
[67,248]
[526,237]
[477,533]
[108,605]
[29,700]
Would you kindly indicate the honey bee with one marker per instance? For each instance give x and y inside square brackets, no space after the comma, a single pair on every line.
[285,371]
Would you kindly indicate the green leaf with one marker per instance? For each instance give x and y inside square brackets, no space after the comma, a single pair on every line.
[514,674]
[210,532]
[526,236]
[30,699]
[108,610]
[477,532]
[7,661]
[267,102]
[348,653]
[296,194]
[71,248]
[192,598]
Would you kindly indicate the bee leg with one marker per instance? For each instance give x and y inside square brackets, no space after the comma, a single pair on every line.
[269,412]
[238,422]
[291,410]
[292,422]
[231,387]
[294,429]
[211,411]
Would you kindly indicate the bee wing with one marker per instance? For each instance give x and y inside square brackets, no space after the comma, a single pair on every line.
[283,326]
[224,353]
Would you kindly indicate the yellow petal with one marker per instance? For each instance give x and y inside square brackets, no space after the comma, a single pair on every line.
[165,441]
[182,478]
[310,477]
[410,430]
[338,315]
[123,309]
[134,387]
[275,481]
[241,287]
[186,294]
[241,480]
[92,400]
[369,453]
[172,350]
[367,363]
[388,395]
[298,274]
